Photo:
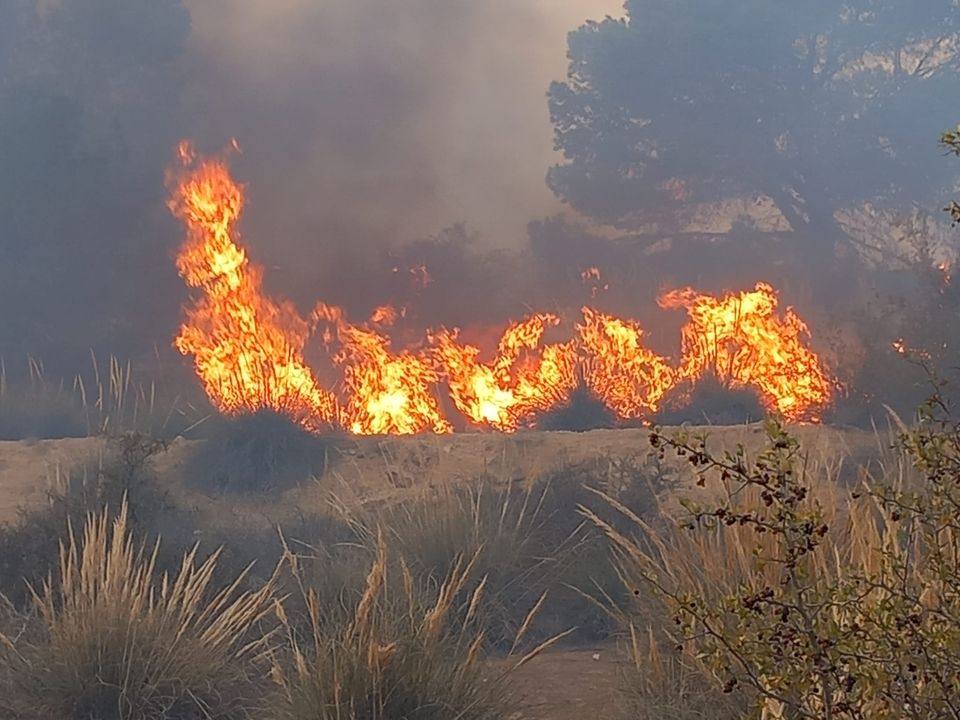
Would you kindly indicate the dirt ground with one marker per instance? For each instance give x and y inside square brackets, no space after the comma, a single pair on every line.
[569,685]
[376,469]
[559,685]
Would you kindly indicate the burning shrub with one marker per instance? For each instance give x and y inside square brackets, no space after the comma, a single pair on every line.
[248,347]
[112,642]
[257,452]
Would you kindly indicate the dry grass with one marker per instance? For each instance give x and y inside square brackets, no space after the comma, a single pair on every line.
[122,470]
[108,399]
[112,641]
[407,651]
[525,541]
[485,565]
[106,638]
[664,677]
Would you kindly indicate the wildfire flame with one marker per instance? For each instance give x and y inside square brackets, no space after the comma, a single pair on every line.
[248,348]
[627,377]
[521,382]
[387,392]
[740,339]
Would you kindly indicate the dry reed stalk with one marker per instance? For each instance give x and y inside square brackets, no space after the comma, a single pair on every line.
[112,633]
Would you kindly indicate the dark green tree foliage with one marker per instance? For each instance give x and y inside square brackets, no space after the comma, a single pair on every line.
[88,107]
[815,104]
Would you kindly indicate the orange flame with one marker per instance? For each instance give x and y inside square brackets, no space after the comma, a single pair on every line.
[384,315]
[520,382]
[388,393]
[627,377]
[247,347]
[740,339]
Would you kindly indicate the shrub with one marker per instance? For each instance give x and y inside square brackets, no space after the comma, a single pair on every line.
[802,604]
[113,642]
[582,412]
[257,452]
[711,402]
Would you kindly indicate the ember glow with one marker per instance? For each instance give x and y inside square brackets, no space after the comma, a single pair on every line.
[248,348]
[591,277]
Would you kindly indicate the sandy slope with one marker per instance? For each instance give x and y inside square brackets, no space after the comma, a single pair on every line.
[376,469]
[560,685]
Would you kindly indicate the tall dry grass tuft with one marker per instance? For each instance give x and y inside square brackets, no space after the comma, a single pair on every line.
[108,399]
[406,652]
[523,541]
[112,640]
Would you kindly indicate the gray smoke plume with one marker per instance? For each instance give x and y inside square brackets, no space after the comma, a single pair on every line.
[365,125]
[372,124]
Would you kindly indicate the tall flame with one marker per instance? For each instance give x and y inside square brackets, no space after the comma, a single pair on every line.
[387,392]
[629,379]
[524,379]
[247,347]
[740,339]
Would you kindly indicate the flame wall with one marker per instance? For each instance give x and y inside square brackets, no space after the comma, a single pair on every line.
[248,347]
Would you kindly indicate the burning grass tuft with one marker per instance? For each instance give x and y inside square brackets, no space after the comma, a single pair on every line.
[113,641]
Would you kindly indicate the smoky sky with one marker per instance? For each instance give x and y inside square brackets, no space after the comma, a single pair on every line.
[373,123]
[365,125]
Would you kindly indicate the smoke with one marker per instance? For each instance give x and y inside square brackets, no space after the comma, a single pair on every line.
[367,125]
